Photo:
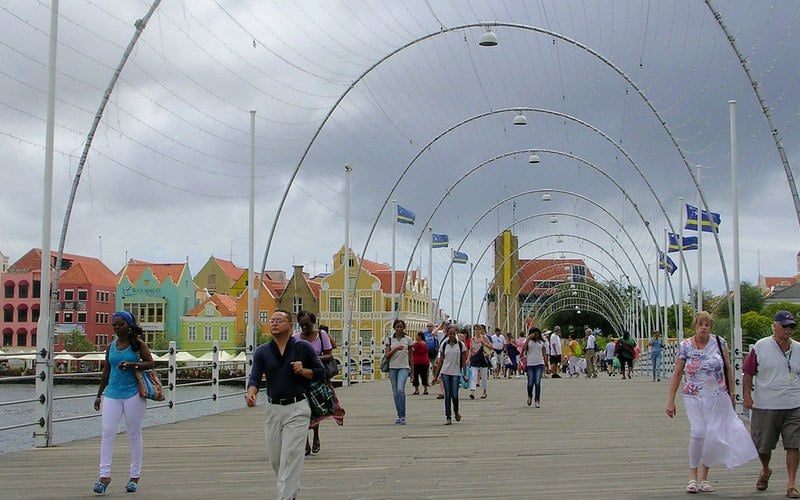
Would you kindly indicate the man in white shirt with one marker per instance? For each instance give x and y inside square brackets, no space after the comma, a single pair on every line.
[498,345]
[555,352]
[590,354]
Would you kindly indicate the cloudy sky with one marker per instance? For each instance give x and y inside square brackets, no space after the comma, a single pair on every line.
[403,93]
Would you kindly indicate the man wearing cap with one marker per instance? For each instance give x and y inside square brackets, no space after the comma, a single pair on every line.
[774,365]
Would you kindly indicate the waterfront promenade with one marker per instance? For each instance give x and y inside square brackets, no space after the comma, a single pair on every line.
[598,438]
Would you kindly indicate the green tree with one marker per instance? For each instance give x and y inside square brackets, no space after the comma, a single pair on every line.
[752,301]
[76,341]
[754,327]
[160,342]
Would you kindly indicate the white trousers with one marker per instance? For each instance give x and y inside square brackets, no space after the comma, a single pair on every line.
[473,377]
[133,409]
[285,431]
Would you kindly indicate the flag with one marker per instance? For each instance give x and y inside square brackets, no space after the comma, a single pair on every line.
[664,262]
[709,223]
[459,258]
[689,242]
[440,241]
[405,216]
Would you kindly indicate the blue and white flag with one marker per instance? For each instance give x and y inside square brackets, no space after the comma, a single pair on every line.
[440,241]
[689,242]
[459,258]
[405,216]
[664,262]
[709,223]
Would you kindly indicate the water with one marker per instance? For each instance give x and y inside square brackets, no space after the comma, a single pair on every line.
[63,432]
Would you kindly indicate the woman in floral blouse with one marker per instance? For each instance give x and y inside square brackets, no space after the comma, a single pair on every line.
[716,435]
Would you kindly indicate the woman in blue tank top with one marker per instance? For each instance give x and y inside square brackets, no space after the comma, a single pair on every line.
[120,396]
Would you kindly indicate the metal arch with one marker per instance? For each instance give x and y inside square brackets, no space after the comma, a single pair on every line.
[464,27]
[555,307]
[593,301]
[449,267]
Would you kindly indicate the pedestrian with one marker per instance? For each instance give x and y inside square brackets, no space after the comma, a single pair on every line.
[118,395]
[480,350]
[555,352]
[774,365]
[440,335]
[321,343]
[591,349]
[512,353]
[452,359]
[611,347]
[625,353]
[421,360]
[288,365]
[716,435]
[655,355]
[498,341]
[535,353]
[575,355]
[398,350]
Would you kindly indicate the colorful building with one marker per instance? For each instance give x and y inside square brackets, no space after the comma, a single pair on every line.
[214,319]
[218,276]
[267,303]
[300,294]
[157,295]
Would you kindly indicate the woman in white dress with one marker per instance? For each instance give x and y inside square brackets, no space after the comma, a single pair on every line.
[716,436]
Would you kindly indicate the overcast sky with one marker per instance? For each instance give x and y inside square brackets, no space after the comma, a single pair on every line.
[402,92]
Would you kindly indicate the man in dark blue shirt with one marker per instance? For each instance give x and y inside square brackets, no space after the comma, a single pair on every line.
[289,366]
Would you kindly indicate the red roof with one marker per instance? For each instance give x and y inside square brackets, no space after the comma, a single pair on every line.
[225,304]
[779,282]
[230,269]
[533,271]
[32,261]
[133,270]
[88,270]
[374,267]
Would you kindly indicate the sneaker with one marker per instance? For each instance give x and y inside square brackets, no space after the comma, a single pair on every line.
[529,400]
[449,422]
[131,486]
[537,405]
[398,421]
[402,421]
[458,417]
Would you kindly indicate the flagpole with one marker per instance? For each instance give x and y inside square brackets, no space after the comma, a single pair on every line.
[471,295]
[699,287]
[346,285]
[659,259]
[452,291]
[430,277]
[666,277]
[737,297]
[394,229]
[683,269]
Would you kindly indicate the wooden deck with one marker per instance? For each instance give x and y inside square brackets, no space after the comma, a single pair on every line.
[598,438]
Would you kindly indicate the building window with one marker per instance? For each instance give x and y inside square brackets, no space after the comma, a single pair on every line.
[83,295]
[22,315]
[365,336]
[35,315]
[69,295]
[33,338]
[263,317]
[7,339]
[37,288]
[192,333]
[68,317]
[8,314]
[81,317]
[297,304]
[101,341]
[365,304]
[9,290]
[223,333]
[22,339]
[337,337]
[335,304]
[23,290]
[209,310]
[207,333]
[246,316]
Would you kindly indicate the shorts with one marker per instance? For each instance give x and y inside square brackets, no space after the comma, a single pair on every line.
[767,425]
[555,359]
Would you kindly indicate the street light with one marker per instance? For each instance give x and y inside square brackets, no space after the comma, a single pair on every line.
[520,119]
[488,39]
[534,158]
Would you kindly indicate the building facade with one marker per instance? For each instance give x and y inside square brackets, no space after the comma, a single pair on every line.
[214,319]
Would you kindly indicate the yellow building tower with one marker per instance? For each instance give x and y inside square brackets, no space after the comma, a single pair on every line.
[506,285]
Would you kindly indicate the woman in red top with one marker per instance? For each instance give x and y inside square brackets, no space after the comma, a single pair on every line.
[419,357]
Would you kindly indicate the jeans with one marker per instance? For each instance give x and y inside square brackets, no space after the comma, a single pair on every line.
[656,361]
[451,383]
[535,380]
[398,377]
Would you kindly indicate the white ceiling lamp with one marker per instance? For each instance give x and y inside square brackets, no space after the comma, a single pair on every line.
[560,240]
[520,119]
[574,294]
[534,158]
[562,256]
[546,197]
[488,39]
[553,220]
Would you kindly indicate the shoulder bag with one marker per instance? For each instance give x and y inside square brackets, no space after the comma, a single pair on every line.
[332,365]
[724,365]
[385,362]
[320,398]
[149,385]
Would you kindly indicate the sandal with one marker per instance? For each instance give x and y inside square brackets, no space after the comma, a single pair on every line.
[763,480]
[131,486]
[315,448]
[691,486]
[792,493]
[100,487]
[706,487]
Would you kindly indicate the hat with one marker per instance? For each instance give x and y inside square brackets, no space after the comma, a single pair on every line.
[785,318]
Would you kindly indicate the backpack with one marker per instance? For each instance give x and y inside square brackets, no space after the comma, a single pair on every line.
[432,341]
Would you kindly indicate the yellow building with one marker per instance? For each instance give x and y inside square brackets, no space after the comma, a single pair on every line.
[218,276]
[370,307]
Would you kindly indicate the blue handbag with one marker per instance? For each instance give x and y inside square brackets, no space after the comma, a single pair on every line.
[149,385]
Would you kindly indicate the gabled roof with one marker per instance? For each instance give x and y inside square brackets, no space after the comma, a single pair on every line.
[225,304]
[230,269]
[86,270]
[374,267]
[789,293]
[315,287]
[133,270]
[32,260]
[779,282]
[533,271]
